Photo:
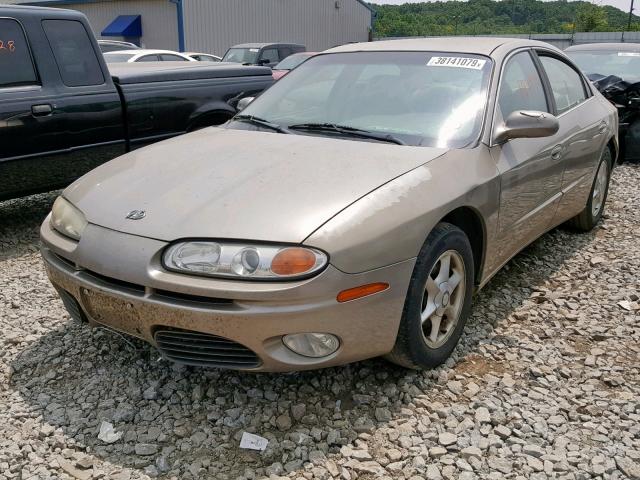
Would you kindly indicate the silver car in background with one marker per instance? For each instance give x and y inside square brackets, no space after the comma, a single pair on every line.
[350,211]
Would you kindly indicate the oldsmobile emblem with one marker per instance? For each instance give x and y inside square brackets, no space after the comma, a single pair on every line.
[136,215]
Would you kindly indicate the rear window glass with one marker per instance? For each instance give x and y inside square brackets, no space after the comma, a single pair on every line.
[119,57]
[73,51]
[16,67]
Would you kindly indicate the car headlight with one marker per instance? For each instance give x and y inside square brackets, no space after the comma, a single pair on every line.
[250,261]
[67,219]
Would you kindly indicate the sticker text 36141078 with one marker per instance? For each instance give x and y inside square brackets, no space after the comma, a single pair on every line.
[458,62]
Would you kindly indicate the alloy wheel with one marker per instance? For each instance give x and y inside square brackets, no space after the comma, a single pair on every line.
[443,299]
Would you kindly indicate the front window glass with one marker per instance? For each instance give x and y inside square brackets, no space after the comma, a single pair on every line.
[241,55]
[118,57]
[16,67]
[521,87]
[625,65]
[423,98]
[270,55]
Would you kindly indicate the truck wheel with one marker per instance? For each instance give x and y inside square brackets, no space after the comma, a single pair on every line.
[592,213]
[438,300]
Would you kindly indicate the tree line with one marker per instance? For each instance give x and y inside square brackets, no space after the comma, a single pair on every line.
[477,17]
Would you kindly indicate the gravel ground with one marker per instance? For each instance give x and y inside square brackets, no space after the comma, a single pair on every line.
[545,384]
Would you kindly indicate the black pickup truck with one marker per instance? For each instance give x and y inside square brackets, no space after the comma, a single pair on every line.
[62,112]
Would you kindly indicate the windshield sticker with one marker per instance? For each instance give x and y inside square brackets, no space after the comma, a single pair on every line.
[254,49]
[629,54]
[458,62]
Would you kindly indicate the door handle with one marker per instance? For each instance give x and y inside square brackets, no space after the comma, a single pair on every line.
[41,110]
[556,153]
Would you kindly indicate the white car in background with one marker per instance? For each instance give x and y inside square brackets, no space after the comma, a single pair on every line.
[142,55]
[203,57]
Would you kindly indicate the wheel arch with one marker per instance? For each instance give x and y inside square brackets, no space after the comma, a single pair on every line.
[470,221]
[614,148]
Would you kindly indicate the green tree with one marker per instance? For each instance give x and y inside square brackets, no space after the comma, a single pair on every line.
[591,18]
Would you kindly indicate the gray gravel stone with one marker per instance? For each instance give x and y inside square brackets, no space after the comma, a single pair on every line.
[544,384]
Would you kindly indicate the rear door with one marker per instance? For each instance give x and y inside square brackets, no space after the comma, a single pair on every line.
[30,127]
[88,99]
[583,127]
[530,168]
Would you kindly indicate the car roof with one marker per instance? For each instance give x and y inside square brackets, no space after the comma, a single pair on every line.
[458,44]
[623,47]
[262,45]
[40,12]
[143,51]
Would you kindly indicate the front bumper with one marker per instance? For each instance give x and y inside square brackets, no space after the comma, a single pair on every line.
[117,280]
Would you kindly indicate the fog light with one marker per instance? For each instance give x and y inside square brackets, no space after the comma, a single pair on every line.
[313,345]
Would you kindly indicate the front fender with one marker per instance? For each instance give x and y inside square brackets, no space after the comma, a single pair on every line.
[390,224]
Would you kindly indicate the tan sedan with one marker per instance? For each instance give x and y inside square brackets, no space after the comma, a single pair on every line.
[350,211]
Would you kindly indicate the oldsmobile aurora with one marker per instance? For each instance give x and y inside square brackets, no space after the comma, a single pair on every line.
[348,212]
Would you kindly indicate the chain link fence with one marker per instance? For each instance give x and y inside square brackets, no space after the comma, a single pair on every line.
[563,40]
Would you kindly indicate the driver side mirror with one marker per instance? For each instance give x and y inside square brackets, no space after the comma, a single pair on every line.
[263,61]
[527,124]
[244,103]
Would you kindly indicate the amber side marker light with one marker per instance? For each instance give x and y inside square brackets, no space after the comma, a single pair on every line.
[361,291]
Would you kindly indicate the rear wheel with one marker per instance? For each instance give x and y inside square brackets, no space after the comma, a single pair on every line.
[438,301]
[592,213]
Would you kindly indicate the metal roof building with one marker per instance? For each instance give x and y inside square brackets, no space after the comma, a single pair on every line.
[215,25]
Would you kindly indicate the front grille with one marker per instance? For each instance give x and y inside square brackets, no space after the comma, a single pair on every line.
[72,305]
[203,349]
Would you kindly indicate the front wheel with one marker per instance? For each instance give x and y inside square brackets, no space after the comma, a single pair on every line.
[592,213]
[438,300]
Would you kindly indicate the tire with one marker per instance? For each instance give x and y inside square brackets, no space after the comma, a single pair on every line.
[590,216]
[417,346]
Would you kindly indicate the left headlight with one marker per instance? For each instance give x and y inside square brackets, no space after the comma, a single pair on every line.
[250,261]
[67,219]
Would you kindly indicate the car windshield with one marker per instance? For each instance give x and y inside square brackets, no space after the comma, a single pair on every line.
[291,62]
[118,57]
[241,55]
[625,65]
[421,98]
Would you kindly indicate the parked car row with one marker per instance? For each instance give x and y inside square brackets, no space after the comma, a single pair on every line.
[349,211]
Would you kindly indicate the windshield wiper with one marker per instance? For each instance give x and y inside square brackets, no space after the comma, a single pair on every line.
[346,130]
[261,122]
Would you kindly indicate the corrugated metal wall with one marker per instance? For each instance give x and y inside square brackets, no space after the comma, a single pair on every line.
[159,19]
[215,25]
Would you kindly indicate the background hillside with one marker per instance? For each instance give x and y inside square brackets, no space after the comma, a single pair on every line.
[496,17]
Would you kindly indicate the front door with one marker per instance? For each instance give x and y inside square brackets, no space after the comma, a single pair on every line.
[29,124]
[530,168]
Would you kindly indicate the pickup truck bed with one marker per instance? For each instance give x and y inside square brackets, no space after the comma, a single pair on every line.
[63,112]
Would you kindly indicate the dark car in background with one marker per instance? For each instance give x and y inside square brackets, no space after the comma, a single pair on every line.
[291,62]
[614,69]
[267,54]
[63,112]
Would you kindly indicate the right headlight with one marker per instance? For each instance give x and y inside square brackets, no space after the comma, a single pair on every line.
[243,261]
[67,219]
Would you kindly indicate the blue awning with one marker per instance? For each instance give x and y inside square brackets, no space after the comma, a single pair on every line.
[124,26]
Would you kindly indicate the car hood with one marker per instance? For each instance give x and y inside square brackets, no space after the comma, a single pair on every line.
[238,184]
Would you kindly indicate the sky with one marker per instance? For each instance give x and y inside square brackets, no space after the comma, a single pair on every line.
[621,4]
